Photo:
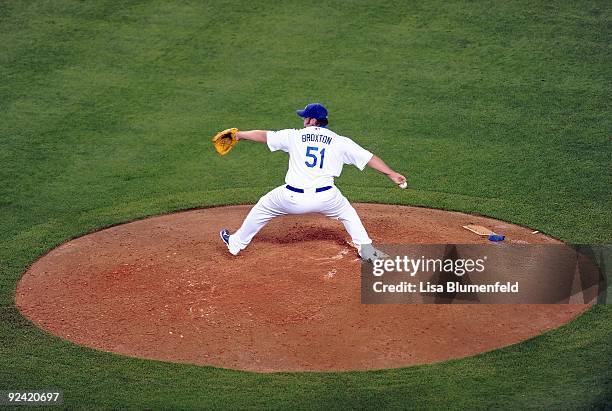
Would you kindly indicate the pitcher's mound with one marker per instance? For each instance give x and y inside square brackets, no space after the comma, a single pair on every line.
[166,288]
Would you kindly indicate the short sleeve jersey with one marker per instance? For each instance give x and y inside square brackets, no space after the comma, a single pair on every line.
[316,155]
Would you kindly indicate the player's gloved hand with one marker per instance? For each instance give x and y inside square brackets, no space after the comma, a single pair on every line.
[225,140]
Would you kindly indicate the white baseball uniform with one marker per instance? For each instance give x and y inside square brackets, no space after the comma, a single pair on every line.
[316,156]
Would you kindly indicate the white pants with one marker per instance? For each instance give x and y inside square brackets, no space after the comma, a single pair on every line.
[282,201]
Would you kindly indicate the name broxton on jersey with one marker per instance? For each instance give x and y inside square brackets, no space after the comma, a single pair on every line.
[316,138]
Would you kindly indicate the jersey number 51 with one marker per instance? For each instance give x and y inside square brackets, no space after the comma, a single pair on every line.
[311,152]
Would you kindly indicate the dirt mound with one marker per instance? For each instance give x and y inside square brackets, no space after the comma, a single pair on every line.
[166,288]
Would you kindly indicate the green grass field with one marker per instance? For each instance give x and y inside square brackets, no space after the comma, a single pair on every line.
[500,108]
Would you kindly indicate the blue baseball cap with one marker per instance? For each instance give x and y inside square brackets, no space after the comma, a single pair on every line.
[314,110]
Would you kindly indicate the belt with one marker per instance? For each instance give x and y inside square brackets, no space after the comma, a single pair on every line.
[299,190]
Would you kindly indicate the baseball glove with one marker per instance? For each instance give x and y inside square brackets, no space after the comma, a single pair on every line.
[225,140]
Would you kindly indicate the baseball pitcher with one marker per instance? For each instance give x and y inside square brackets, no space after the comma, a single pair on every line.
[316,157]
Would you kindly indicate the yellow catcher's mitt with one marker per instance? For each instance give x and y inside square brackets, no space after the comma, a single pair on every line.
[225,140]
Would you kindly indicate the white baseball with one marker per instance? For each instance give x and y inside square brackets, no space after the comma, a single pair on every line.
[403,185]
